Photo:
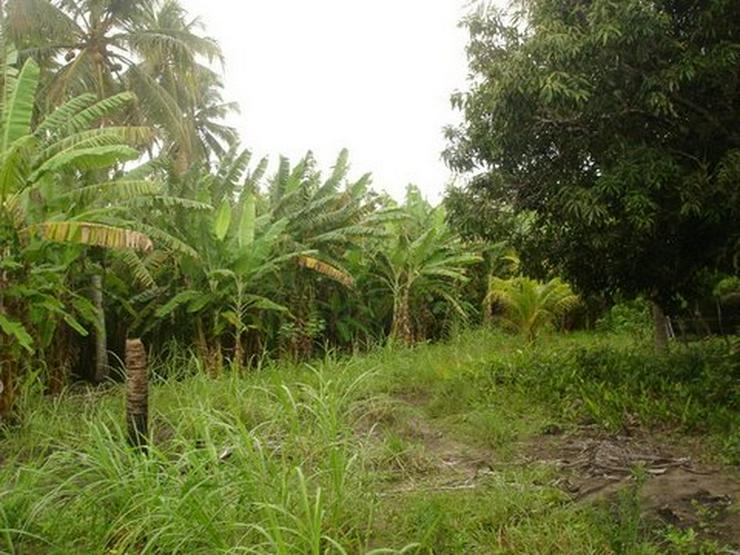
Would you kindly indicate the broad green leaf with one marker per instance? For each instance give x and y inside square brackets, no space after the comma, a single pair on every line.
[16,330]
[263,303]
[222,221]
[181,298]
[88,233]
[18,111]
[94,158]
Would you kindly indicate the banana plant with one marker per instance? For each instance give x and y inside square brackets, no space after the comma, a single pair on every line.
[56,188]
[421,259]
[329,217]
[226,286]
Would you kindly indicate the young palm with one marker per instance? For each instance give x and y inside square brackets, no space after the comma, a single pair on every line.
[529,305]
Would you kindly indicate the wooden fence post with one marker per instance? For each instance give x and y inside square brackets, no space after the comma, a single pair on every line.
[137,393]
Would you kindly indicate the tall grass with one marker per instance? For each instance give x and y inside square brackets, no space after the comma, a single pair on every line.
[310,459]
[234,467]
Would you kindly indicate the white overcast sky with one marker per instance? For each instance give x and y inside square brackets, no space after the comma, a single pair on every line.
[374,76]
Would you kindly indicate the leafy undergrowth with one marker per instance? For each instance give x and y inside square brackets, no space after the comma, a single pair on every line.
[428,450]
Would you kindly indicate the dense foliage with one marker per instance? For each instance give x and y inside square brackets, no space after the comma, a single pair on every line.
[278,302]
[611,128]
[129,209]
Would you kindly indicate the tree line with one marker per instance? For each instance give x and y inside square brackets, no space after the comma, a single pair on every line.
[129,209]
[600,139]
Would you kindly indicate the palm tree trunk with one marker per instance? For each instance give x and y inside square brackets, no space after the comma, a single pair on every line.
[137,393]
[101,341]
[660,328]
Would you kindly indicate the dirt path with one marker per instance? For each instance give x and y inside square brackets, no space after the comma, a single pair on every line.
[590,465]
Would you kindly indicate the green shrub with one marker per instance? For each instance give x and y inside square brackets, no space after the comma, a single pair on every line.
[695,388]
[632,317]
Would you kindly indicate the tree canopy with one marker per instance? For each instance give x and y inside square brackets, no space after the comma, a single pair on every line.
[616,126]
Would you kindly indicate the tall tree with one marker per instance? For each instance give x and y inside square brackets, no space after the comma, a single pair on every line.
[110,46]
[616,123]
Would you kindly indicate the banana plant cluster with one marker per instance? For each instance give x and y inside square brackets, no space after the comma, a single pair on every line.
[60,199]
[422,263]
[128,208]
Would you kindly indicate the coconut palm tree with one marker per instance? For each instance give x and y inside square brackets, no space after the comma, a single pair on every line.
[529,305]
[109,46]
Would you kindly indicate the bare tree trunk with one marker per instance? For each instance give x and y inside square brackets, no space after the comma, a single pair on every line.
[181,161]
[137,393]
[101,341]
[660,328]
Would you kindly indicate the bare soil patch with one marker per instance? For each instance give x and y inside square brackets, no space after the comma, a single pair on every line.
[438,461]
[591,466]
[680,490]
